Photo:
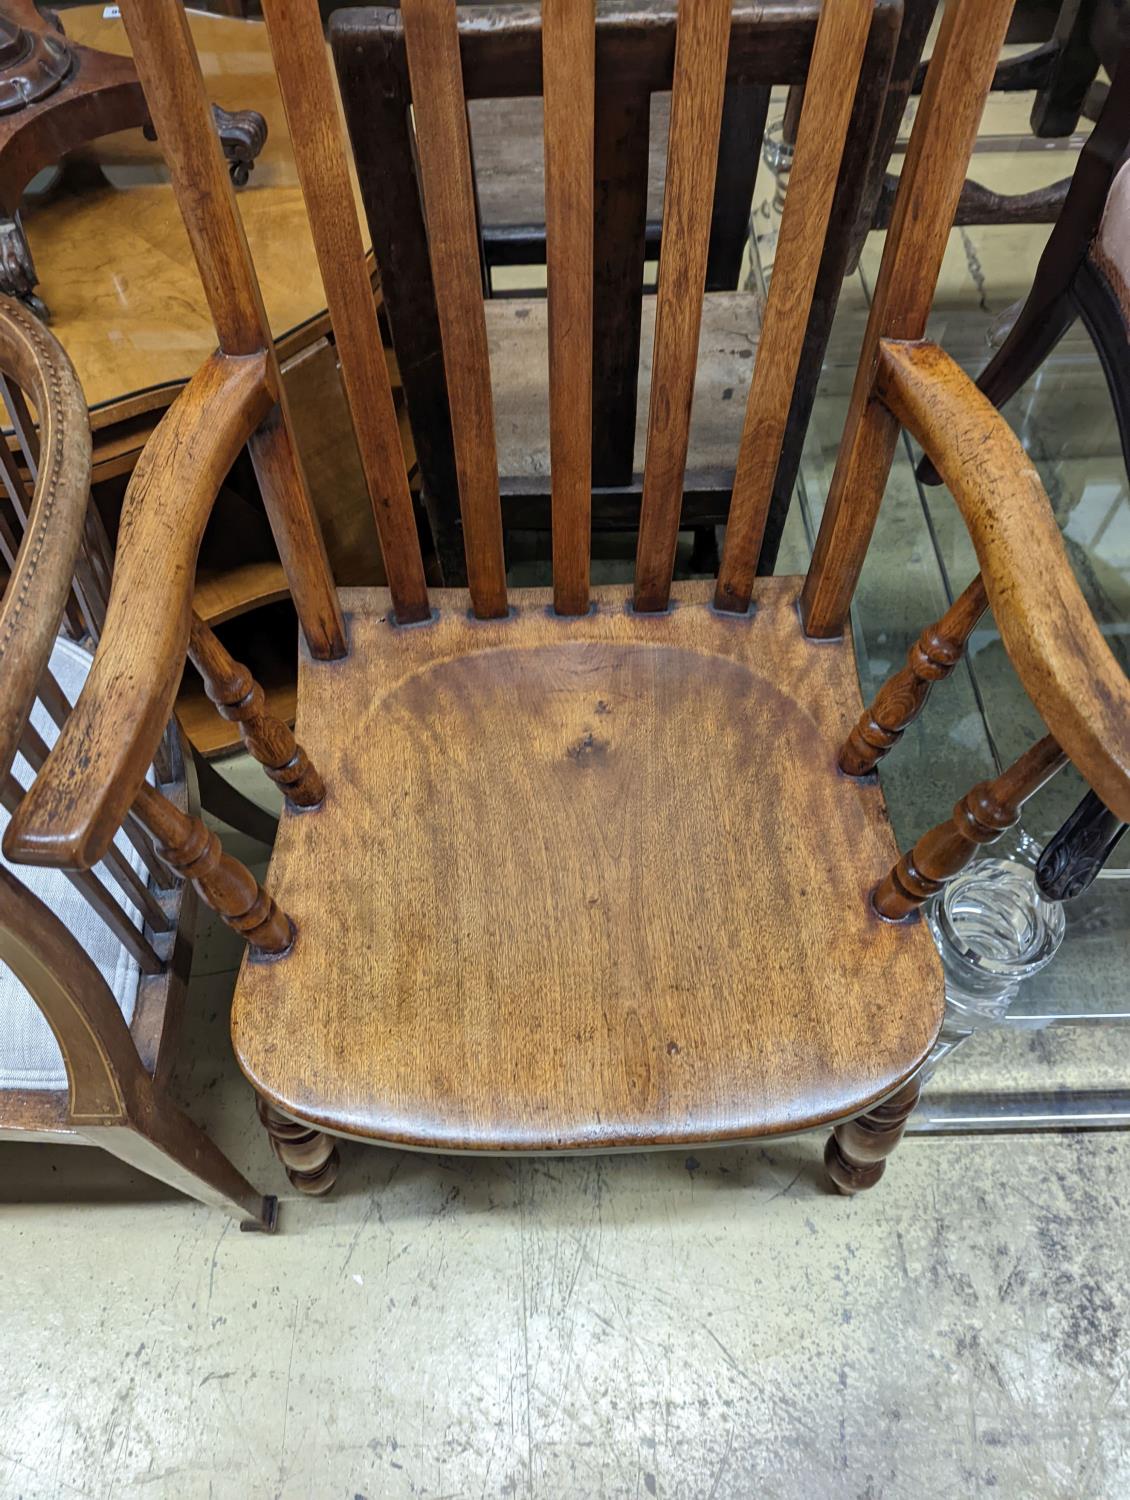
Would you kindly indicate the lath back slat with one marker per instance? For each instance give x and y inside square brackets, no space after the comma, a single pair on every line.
[569,84]
[432,40]
[701,49]
[837,55]
[306,86]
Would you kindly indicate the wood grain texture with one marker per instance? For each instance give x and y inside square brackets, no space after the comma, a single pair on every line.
[169,70]
[174,89]
[227,886]
[577,940]
[42,562]
[903,696]
[100,760]
[701,47]
[239,697]
[569,81]
[930,184]
[836,59]
[982,815]
[449,198]
[308,95]
[1052,639]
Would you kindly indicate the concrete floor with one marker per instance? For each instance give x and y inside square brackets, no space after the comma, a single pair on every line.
[660,1325]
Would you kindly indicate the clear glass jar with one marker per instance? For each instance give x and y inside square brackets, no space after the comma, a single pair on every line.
[993,930]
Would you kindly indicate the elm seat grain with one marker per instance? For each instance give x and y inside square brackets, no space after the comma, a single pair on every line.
[550,901]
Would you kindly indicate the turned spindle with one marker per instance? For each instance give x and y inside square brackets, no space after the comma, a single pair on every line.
[981,816]
[241,700]
[856,1154]
[227,886]
[309,1156]
[902,697]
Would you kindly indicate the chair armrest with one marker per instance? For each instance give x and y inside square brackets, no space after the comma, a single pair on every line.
[78,800]
[36,593]
[1057,649]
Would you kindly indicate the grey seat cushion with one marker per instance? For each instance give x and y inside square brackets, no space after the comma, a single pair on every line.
[1111,249]
[29,1055]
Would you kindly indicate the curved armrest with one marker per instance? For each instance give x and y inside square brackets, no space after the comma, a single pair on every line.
[36,593]
[1060,656]
[103,1068]
[77,802]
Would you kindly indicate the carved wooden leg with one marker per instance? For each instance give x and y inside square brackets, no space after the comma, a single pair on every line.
[857,1151]
[309,1156]
[979,818]
[241,700]
[228,887]
[902,697]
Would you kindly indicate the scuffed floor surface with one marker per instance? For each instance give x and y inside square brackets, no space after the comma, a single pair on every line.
[637,1326]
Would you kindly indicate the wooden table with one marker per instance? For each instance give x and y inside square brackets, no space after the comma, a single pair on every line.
[116,270]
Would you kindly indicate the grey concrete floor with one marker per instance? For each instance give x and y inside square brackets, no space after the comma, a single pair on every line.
[715,1325]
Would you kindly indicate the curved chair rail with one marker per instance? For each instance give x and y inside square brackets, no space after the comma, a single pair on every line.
[1052,639]
[44,565]
[78,801]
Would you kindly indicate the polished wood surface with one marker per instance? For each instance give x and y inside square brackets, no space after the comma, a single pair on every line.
[39,563]
[701,50]
[569,81]
[981,816]
[79,801]
[113,256]
[930,185]
[836,55]
[903,696]
[539,945]
[319,146]
[1053,640]
[440,114]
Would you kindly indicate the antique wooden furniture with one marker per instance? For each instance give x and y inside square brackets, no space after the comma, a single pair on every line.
[1066,43]
[593,868]
[1084,273]
[500,48]
[117,270]
[55,94]
[93,966]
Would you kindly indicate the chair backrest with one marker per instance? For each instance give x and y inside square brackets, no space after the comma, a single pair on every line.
[236,398]
[629,65]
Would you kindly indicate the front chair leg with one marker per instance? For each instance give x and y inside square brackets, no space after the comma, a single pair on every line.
[309,1156]
[857,1151]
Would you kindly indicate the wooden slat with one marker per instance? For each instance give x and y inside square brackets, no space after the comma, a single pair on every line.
[306,85]
[930,184]
[440,113]
[568,74]
[174,91]
[692,153]
[829,99]
[115,864]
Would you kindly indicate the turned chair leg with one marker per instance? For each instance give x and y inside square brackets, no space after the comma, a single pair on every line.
[308,1155]
[857,1151]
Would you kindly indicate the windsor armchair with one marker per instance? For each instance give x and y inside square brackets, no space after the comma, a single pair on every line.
[502,80]
[93,964]
[585,868]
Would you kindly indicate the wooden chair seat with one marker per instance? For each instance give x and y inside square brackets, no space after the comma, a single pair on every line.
[518,337]
[567,889]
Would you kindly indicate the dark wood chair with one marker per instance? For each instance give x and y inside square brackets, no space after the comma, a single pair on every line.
[93,964]
[593,868]
[635,48]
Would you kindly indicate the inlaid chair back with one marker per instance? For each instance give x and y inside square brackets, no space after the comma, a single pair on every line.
[611,121]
